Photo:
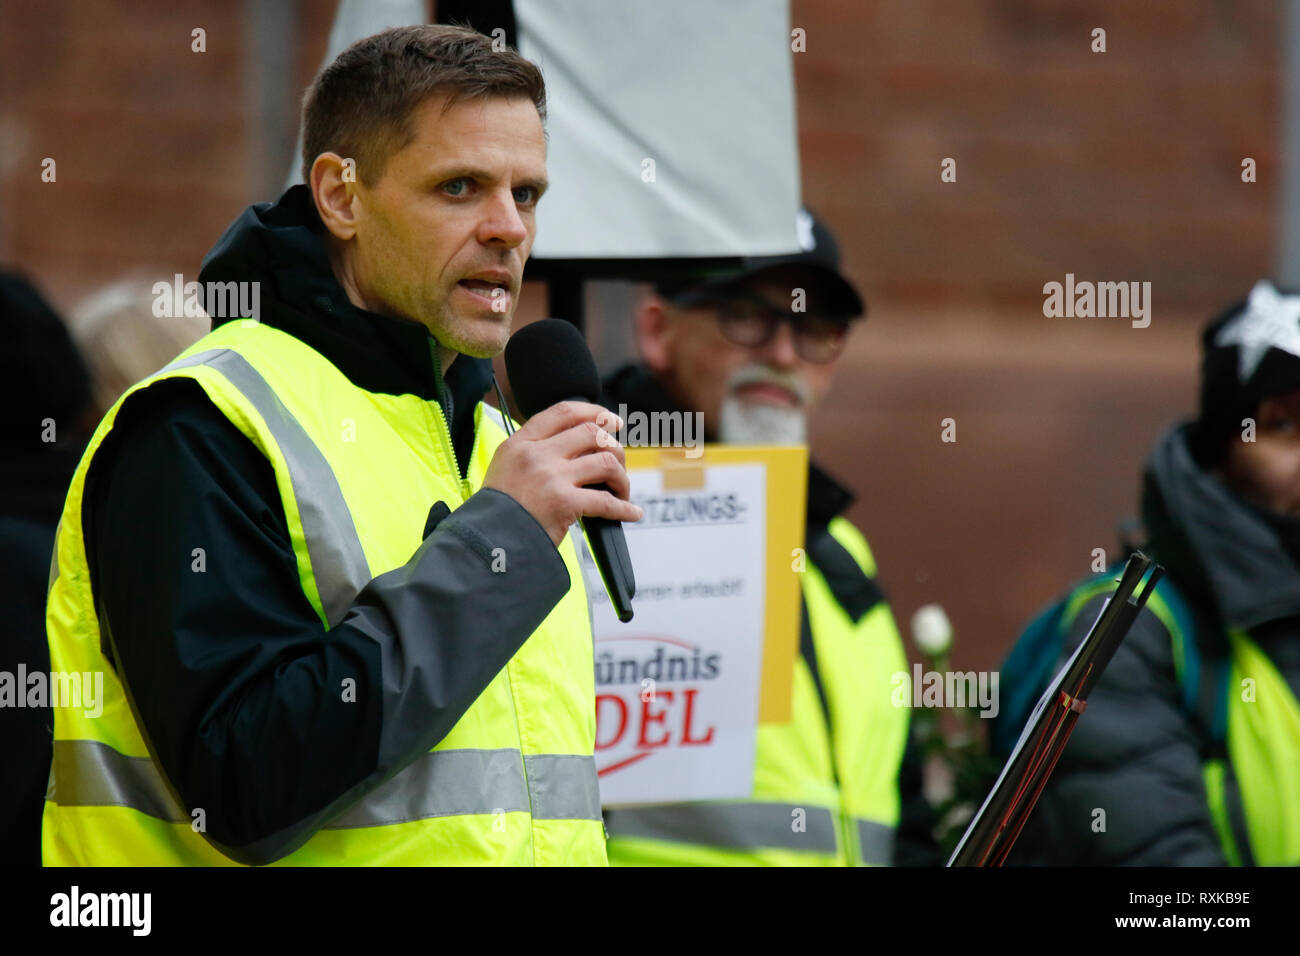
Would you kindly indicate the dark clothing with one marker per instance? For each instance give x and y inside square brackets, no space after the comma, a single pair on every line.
[46,389]
[635,387]
[247,727]
[27,732]
[1137,753]
[43,377]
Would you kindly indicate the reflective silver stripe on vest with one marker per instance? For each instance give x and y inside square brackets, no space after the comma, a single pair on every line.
[732,826]
[454,782]
[563,786]
[444,783]
[337,559]
[87,773]
[496,417]
[876,842]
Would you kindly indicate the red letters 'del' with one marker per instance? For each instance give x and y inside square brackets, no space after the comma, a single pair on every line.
[622,719]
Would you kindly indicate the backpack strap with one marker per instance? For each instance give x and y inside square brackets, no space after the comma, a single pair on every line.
[1025,673]
[1203,664]
[1028,669]
[1203,674]
[1203,677]
[1032,662]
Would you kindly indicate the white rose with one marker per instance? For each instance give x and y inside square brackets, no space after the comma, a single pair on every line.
[931,630]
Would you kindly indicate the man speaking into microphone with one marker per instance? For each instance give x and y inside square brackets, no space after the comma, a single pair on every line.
[338,611]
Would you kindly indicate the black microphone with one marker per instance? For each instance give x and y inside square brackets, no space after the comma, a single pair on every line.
[548,362]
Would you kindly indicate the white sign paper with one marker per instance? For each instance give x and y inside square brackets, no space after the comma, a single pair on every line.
[677,688]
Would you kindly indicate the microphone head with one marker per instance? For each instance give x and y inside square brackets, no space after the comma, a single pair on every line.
[549,362]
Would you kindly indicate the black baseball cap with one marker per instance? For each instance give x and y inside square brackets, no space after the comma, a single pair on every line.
[818,253]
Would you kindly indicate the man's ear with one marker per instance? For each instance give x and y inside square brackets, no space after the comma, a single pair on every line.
[654,332]
[333,188]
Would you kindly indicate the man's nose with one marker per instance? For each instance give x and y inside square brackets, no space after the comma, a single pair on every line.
[501,222]
[780,351]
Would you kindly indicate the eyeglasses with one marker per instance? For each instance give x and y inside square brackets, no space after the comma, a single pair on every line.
[751,321]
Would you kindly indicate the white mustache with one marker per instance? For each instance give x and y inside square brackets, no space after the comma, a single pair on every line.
[756,373]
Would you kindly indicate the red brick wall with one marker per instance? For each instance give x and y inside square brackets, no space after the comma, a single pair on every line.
[1116,166]
[1123,165]
[151,140]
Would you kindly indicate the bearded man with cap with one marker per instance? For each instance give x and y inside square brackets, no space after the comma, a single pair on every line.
[735,348]
[1191,743]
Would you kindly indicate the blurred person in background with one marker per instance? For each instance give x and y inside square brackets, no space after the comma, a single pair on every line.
[46,415]
[733,348]
[116,333]
[1189,752]
[123,339]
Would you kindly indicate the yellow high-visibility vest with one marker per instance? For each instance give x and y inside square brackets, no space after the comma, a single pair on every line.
[807,808]
[514,782]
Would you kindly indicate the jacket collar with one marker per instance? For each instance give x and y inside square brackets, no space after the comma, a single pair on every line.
[1227,553]
[281,246]
[636,387]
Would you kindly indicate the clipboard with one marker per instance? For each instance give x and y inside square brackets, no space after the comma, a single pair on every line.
[710,656]
[786,467]
[994,829]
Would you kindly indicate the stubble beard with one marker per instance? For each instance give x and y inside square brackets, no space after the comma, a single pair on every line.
[471,335]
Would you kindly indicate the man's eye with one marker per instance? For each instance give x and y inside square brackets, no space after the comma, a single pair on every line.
[457,187]
[525,195]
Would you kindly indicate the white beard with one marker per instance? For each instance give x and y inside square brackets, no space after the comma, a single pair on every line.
[752,423]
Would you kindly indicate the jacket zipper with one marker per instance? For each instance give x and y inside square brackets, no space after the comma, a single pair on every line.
[445,415]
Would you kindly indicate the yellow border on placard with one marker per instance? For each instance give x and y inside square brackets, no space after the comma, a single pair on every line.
[787,496]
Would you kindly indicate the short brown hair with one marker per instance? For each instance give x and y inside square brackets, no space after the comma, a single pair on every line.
[360,105]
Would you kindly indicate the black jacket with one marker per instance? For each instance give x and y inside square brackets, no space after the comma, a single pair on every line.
[635,387]
[32,489]
[43,382]
[1137,753]
[231,674]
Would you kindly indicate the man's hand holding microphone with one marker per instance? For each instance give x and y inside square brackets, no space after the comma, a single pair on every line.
[565,464]
[548,464]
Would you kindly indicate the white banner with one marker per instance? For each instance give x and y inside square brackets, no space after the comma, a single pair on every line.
[671,127]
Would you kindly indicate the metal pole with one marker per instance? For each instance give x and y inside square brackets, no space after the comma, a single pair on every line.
[1288,251]
[565,299]
[270,39]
